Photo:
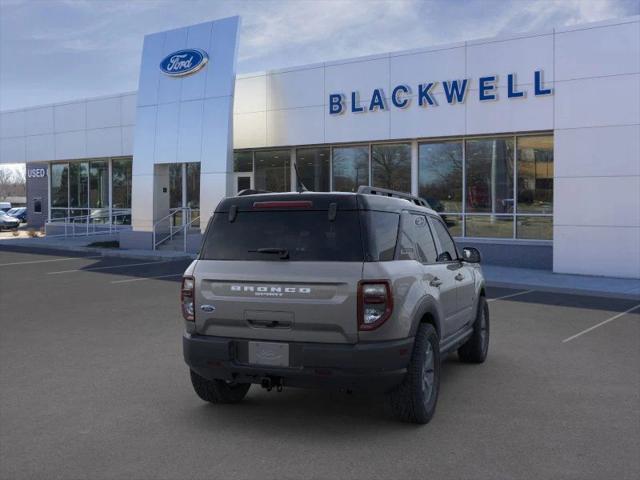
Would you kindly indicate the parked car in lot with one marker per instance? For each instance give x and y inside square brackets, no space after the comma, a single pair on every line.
[20,213]
[359,291]
[5,206]
[8,222]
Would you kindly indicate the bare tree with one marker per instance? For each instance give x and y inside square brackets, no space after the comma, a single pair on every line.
[12,183]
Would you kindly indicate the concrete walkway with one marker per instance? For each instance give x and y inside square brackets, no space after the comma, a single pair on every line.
[545,280]
[497,276]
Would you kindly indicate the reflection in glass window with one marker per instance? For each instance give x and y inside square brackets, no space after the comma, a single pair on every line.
[535,174]
[175,185]
[350,168]
[272,171]
[448,250]
[193,191]
[534,227]
[440,175]
[193,185]
[79,185]
[60,185]
[491,226]
[98,184]
[381,241]
[59,213]
[243,161]
[453,223]
[489,173]
[391,166]
[313,168]
[121,182]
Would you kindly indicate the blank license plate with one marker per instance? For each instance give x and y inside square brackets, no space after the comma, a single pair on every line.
[268,353]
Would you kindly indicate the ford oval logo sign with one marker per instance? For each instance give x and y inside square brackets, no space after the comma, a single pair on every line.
[184,62]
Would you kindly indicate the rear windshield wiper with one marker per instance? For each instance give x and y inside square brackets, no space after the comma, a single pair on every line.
[283,252]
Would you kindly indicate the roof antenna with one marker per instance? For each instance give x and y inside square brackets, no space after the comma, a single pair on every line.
[300,186]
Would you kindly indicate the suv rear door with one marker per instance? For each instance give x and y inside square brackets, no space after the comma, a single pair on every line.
[417,243]
[463,275]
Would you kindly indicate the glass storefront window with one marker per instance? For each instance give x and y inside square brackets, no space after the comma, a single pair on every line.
[350,168]
[489,171]
[243,161]
[491,204]
[272,170]
[121,182]
[80,189]
[78,185]
[313,168]
[535,174]
[440,175]
[99,184]
[391,166]
[175,185]
[490,226]
[59,185]
[534,227]
[193,191]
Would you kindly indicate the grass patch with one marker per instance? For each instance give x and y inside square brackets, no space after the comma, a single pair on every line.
[110,244]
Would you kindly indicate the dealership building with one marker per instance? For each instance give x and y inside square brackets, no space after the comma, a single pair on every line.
[528,145]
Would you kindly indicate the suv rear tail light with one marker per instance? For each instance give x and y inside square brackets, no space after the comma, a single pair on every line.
[187,298]
[375,303]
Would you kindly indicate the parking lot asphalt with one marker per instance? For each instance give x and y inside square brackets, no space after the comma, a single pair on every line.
[93,385]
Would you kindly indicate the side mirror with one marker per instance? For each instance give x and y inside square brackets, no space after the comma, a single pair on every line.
[471,255]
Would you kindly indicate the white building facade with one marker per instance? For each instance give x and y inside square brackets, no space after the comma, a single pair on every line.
[528,145]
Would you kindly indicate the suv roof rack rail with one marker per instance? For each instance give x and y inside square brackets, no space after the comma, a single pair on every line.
[392,193]
[250,191]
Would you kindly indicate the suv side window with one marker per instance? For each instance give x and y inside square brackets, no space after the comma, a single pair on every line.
[416,242]
[448,250]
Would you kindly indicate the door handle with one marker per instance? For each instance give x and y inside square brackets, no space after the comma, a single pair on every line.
[459,277]
[436,282]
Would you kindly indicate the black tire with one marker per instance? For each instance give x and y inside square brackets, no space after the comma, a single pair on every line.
[218,391]
[476,348]
[414,400]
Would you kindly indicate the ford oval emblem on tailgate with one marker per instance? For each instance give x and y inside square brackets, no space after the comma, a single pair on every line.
[207,308]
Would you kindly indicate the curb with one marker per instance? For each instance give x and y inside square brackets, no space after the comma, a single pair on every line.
[109,252]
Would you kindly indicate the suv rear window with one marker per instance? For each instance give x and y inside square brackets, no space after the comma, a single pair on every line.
[304,235]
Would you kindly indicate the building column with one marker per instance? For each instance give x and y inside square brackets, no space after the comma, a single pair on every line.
[110,182]
[414,168]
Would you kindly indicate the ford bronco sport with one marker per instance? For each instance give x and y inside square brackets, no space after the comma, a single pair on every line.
[359,291]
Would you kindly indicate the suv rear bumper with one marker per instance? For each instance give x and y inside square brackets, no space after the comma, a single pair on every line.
[371,366]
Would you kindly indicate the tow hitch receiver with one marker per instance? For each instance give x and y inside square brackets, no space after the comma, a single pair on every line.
[269,383]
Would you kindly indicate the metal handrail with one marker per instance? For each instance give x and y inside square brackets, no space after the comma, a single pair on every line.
[186,220]
[91,224]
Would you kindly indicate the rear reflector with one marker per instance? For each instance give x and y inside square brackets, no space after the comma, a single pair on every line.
[284,204]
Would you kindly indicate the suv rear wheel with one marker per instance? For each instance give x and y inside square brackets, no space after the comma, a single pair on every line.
[218,391]
[415,399]
[475,349]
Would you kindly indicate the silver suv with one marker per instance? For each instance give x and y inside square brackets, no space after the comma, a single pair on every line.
[359,291]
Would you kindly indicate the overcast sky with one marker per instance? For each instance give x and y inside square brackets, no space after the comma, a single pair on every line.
[56,50]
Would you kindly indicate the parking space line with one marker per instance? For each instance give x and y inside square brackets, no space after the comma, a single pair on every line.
[124,265]
[147,278]
[510,296]
[615,317]
[47,261]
